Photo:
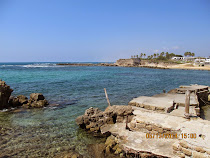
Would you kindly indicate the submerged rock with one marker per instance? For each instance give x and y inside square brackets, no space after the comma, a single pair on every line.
[5,93]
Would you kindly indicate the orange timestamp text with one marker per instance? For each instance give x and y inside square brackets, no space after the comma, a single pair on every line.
[170,135]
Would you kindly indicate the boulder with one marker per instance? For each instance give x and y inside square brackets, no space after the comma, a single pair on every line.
[18,101]
[36,96]
[22,99]
[37,100]
[5,93]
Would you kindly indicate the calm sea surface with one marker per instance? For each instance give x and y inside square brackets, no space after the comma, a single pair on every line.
[50,131]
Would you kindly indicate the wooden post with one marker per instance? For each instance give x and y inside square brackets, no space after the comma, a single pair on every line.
[187,104]
[107,97]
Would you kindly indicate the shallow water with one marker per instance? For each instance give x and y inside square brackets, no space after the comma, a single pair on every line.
[50,131]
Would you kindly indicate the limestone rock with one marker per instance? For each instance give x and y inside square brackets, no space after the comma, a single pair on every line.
[39,104]
[187,152]
[5,93]
[36,97]
[129,62]
[97,150]
[94,118]
[22,99]
[110,141]
[79,120]
[199,155]
[184,144]
[18,101]
[37,100]
[199,149]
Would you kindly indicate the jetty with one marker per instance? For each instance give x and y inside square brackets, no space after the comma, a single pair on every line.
[163,125]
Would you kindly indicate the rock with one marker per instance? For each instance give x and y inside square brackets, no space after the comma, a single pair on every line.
[39,104]
[5,93]
[110,141]
[199,149]
[36,97]
[14,102]
[176,146]
[129,62]
[79,120]
[119,110]
[97,150]
[18,101]
[37,100]
[199,155]
[187,152]
[22,99]
[209,97]
[184,144]
[94,118]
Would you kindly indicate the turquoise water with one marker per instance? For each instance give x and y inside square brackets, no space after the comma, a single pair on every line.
[51,131]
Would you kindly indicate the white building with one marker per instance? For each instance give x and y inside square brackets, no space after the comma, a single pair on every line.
[177,58]
[207,61]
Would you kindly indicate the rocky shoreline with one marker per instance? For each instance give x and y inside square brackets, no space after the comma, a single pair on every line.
[127,126]
[37,100]
[136,62]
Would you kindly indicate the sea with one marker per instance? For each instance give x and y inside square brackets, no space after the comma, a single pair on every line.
[52,130]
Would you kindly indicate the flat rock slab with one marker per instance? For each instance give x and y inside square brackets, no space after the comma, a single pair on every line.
[135,142]
[162,102]
[202,130]
[192,88]
[195,125]
[160,119]
[153,103]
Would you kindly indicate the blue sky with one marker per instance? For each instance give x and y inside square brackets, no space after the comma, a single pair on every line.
[101,30]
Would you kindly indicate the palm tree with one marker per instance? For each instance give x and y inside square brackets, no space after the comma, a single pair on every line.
[131,56]
[137,56]
[155,55]
[144,55]
[193,54]
[167,55]
[162,54]
[158,54]
[141,55]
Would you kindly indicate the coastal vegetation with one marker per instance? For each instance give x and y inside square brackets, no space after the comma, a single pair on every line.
[162,55]
[165,57]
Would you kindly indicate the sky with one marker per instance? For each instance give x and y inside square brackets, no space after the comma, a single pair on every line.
[101,30]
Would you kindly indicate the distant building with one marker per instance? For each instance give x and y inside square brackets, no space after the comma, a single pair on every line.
[177,58]
[189,58]
[183,58]
[207,61]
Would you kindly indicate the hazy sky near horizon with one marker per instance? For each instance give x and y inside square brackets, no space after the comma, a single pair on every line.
[101,30]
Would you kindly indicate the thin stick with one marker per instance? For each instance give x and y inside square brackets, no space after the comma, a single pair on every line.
[107,97]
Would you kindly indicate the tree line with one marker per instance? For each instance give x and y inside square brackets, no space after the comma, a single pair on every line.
[161,56]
